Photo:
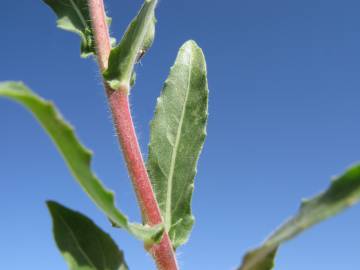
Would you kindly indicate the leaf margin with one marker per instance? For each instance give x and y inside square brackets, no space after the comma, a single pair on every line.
[57,212]
[139,35]
[262,258]
[105,200]
[192,50]
[65,22]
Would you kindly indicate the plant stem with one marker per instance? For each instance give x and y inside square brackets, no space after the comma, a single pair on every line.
[163,252]
[100,31]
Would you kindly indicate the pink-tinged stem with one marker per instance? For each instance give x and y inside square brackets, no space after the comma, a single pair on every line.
[100,31]
[163,252]
[119,103]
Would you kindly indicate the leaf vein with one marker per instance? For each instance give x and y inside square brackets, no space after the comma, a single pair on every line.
[76,241]
[78,12]
[176,147]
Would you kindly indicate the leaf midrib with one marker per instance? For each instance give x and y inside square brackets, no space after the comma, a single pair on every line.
[76,241]
[78,12]
[174,153]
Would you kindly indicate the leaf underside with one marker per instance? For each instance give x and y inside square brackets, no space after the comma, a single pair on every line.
[178,132]
[74,16]
[76,156]
[83,244]
[343,192]
[137,40]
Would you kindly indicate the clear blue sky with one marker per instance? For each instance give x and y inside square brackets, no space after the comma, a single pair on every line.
[284,117]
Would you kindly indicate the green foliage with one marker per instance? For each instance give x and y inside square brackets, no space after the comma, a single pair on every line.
[137,39]
[83,244]
[148,40]
[177,136]
[178,132]
[73,16]
[343,192]
[76,156]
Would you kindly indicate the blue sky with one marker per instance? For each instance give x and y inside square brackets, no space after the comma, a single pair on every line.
[284,109]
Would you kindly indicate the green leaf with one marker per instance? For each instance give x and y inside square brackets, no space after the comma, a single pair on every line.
[76,156]
[343,192]
[83,244]
[148,40]
[136,41]
[177,135]
[74,16]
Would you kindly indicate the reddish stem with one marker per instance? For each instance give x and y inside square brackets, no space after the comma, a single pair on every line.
[119,103]
[163,252]
[101,32]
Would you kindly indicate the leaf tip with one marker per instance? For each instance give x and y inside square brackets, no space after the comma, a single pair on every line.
[191,45]
[52,205]
[191,42]
[16,85]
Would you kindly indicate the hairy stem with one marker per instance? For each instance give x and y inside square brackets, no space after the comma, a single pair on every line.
[163,252]
[101,32]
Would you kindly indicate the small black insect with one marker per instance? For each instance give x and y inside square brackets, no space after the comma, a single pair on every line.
[140,55]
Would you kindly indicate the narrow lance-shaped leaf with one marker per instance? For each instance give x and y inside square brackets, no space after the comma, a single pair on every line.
[76,156]
[74,16]
[343,192]
[177,135]
[83,244]
[136,41]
